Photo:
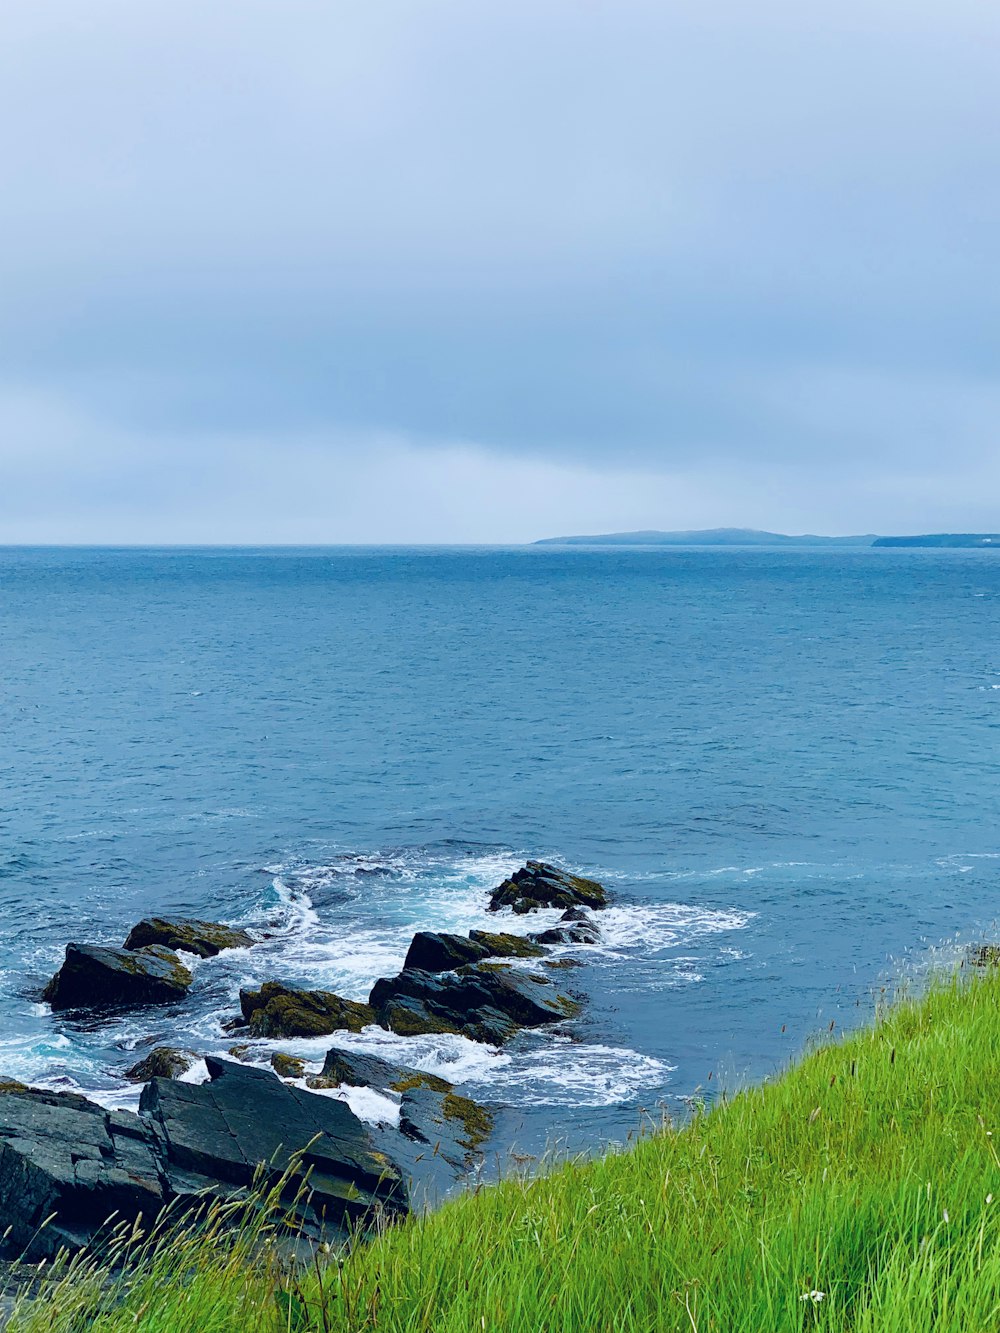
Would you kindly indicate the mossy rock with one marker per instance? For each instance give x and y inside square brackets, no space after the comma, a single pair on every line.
[288,1066]
[501,944]
[984,955]
[12,1085]
[285,1011]
[475,1120]
[537,885]
[418,1079]
[204,938]
[161,1062]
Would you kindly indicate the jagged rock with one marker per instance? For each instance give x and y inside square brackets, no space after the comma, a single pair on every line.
[286,1011]
[100,978]
[61,1154]
[433,952]
[538,884]
[503,945]
[162,1062]
[204,938]
[355,1069]
[288,1066]
[431,1112]
[219,1132]
[485,1001]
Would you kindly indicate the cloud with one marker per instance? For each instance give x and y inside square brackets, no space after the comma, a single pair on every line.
[563,241]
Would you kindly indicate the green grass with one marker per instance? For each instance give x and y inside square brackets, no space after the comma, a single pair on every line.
[865,1173]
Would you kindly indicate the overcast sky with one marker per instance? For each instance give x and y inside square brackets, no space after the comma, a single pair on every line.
[491,270]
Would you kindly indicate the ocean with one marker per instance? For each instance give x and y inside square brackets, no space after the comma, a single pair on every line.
[782,763]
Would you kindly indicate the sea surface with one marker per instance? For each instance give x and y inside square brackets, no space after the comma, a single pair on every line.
[783,763]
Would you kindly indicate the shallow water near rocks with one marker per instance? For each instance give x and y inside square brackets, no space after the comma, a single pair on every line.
[783,764]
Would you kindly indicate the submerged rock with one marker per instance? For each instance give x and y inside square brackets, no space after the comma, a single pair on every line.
[96,977]
[204,938]
[162,1062]
[485,1001]
[286,1011]
[538,884]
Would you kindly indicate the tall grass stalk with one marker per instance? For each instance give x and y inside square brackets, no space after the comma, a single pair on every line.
[859,1191]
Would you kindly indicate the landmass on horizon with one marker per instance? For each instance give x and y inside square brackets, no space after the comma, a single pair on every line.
[754,537]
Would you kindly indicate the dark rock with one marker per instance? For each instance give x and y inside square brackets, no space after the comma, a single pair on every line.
[537,885]
[575,914]
[485,1001]
[205,938]
[162,1062]
[433,952]
[285,1011]
[455,1125]
[354,1069]
[221,1131]
[288,1066]
[100,978]
[64,1157]
[503,945]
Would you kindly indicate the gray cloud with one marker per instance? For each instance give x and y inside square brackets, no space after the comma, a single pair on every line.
[687,257]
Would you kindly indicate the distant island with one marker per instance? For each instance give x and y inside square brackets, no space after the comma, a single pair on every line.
[754,537]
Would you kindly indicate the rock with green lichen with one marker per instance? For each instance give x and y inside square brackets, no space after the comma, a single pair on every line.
[95,977]
[286,1011]
[501,944]
[538,885]
[288,1066]
[162,1062]
[204,938]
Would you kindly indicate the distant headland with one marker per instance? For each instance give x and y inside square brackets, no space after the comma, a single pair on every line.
[754,537]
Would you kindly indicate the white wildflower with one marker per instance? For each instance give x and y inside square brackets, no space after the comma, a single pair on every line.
[946,1217]
[814,1296]
[989,1198]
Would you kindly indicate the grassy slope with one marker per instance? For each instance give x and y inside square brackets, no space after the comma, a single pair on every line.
[864,1173]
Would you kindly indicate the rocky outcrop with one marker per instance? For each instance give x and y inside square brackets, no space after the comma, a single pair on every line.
[488,1002]
[538,885]
[204,938]
[95,977]
[504,945]
[218,1133]
[162,1062]
[286,1011]
[66,1159]
[430,1112]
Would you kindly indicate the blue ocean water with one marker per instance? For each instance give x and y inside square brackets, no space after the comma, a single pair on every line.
[784,763]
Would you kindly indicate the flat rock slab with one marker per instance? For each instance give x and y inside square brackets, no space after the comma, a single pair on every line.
[538,884]
[95,977]
[65,1158]
[204,938]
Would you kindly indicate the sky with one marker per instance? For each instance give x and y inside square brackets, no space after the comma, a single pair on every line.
[494,270]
